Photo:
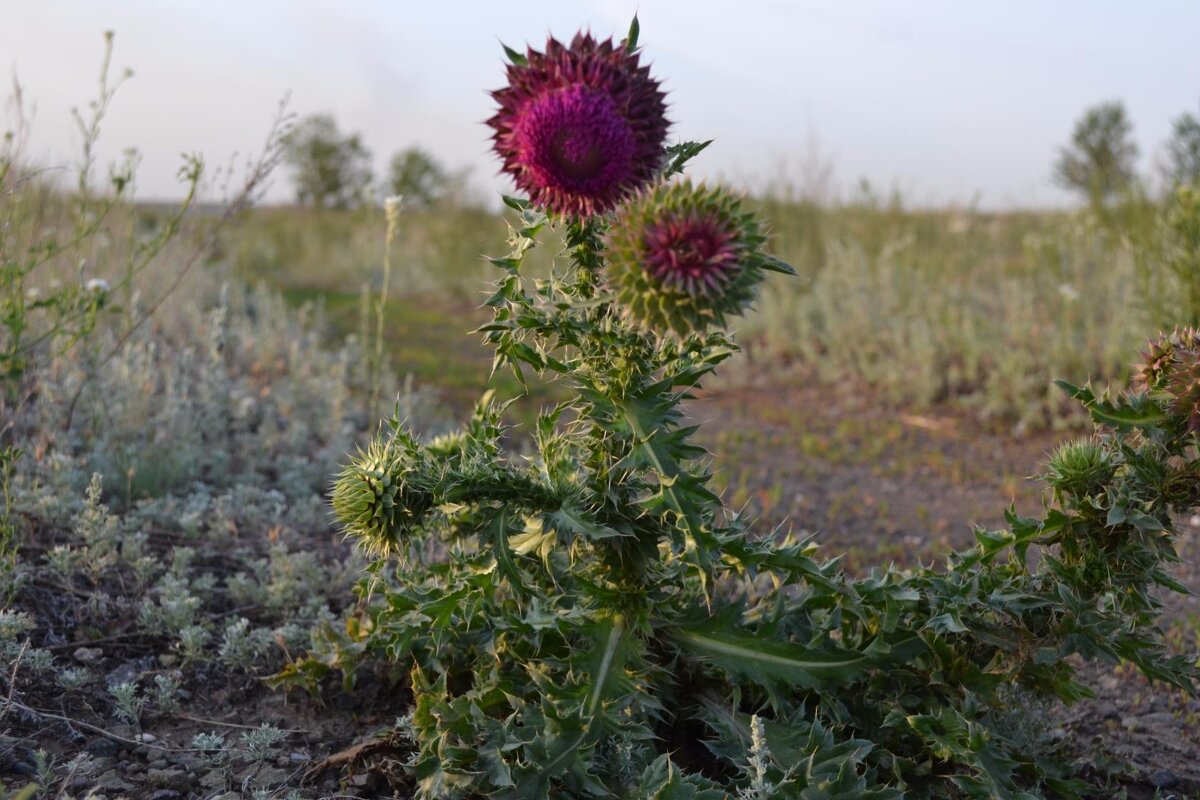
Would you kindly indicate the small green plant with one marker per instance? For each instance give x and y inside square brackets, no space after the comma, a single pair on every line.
[241,646]
[46,236]
[165,694]
[213,750]
[10,576]
[259,744]
[128,702]
[589,619]
[43,765]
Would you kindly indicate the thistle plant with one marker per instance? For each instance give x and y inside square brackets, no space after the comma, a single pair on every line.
[589,620]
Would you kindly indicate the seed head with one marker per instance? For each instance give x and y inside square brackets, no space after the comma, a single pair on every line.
[580,128]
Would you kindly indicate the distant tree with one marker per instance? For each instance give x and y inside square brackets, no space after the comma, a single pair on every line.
[1183,152]
[329,169]
[419,177]
[1099,162]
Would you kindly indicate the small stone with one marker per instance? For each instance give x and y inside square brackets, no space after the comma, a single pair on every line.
[213,778]
[165,794]
[271,776]
[168,779]
[102,747]
[88,655]
[363,780]
[1157,718]
[189,762]
[112,782]
[1164,779]
[126,673]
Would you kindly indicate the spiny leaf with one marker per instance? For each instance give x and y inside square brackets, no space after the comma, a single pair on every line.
[1134,411]
[769,662]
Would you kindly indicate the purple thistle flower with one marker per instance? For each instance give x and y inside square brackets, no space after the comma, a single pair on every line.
[580,129]
[692,253]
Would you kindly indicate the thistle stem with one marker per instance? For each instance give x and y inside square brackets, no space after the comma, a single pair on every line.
[392,213]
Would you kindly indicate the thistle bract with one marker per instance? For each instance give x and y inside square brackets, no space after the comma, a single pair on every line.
[378,496]
[1080,468]
[683,258]
[579,128]
[1171,368]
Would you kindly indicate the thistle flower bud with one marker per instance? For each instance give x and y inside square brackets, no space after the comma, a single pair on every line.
[580,128]
[683,258]
[1079,469]
[383,494]
[1171,367]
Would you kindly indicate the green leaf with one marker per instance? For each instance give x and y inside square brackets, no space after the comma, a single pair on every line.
[679,154]
[662,780]
[568,519]
[518,59]
[497,533]
[631,38]
[773,264]
[604,666]
[1133,411]
[516,203]
[766,661]
[948,622]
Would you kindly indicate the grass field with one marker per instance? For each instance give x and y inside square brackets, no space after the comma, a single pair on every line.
[982,311]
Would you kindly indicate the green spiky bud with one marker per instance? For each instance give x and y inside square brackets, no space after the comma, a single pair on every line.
[683,258]
[383,494]
[1080,469]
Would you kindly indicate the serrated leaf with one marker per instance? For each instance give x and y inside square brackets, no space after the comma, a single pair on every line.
[1136,411]
[571,520]
[604,668]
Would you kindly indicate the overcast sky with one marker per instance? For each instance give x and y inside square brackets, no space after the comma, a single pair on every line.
[944,100]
